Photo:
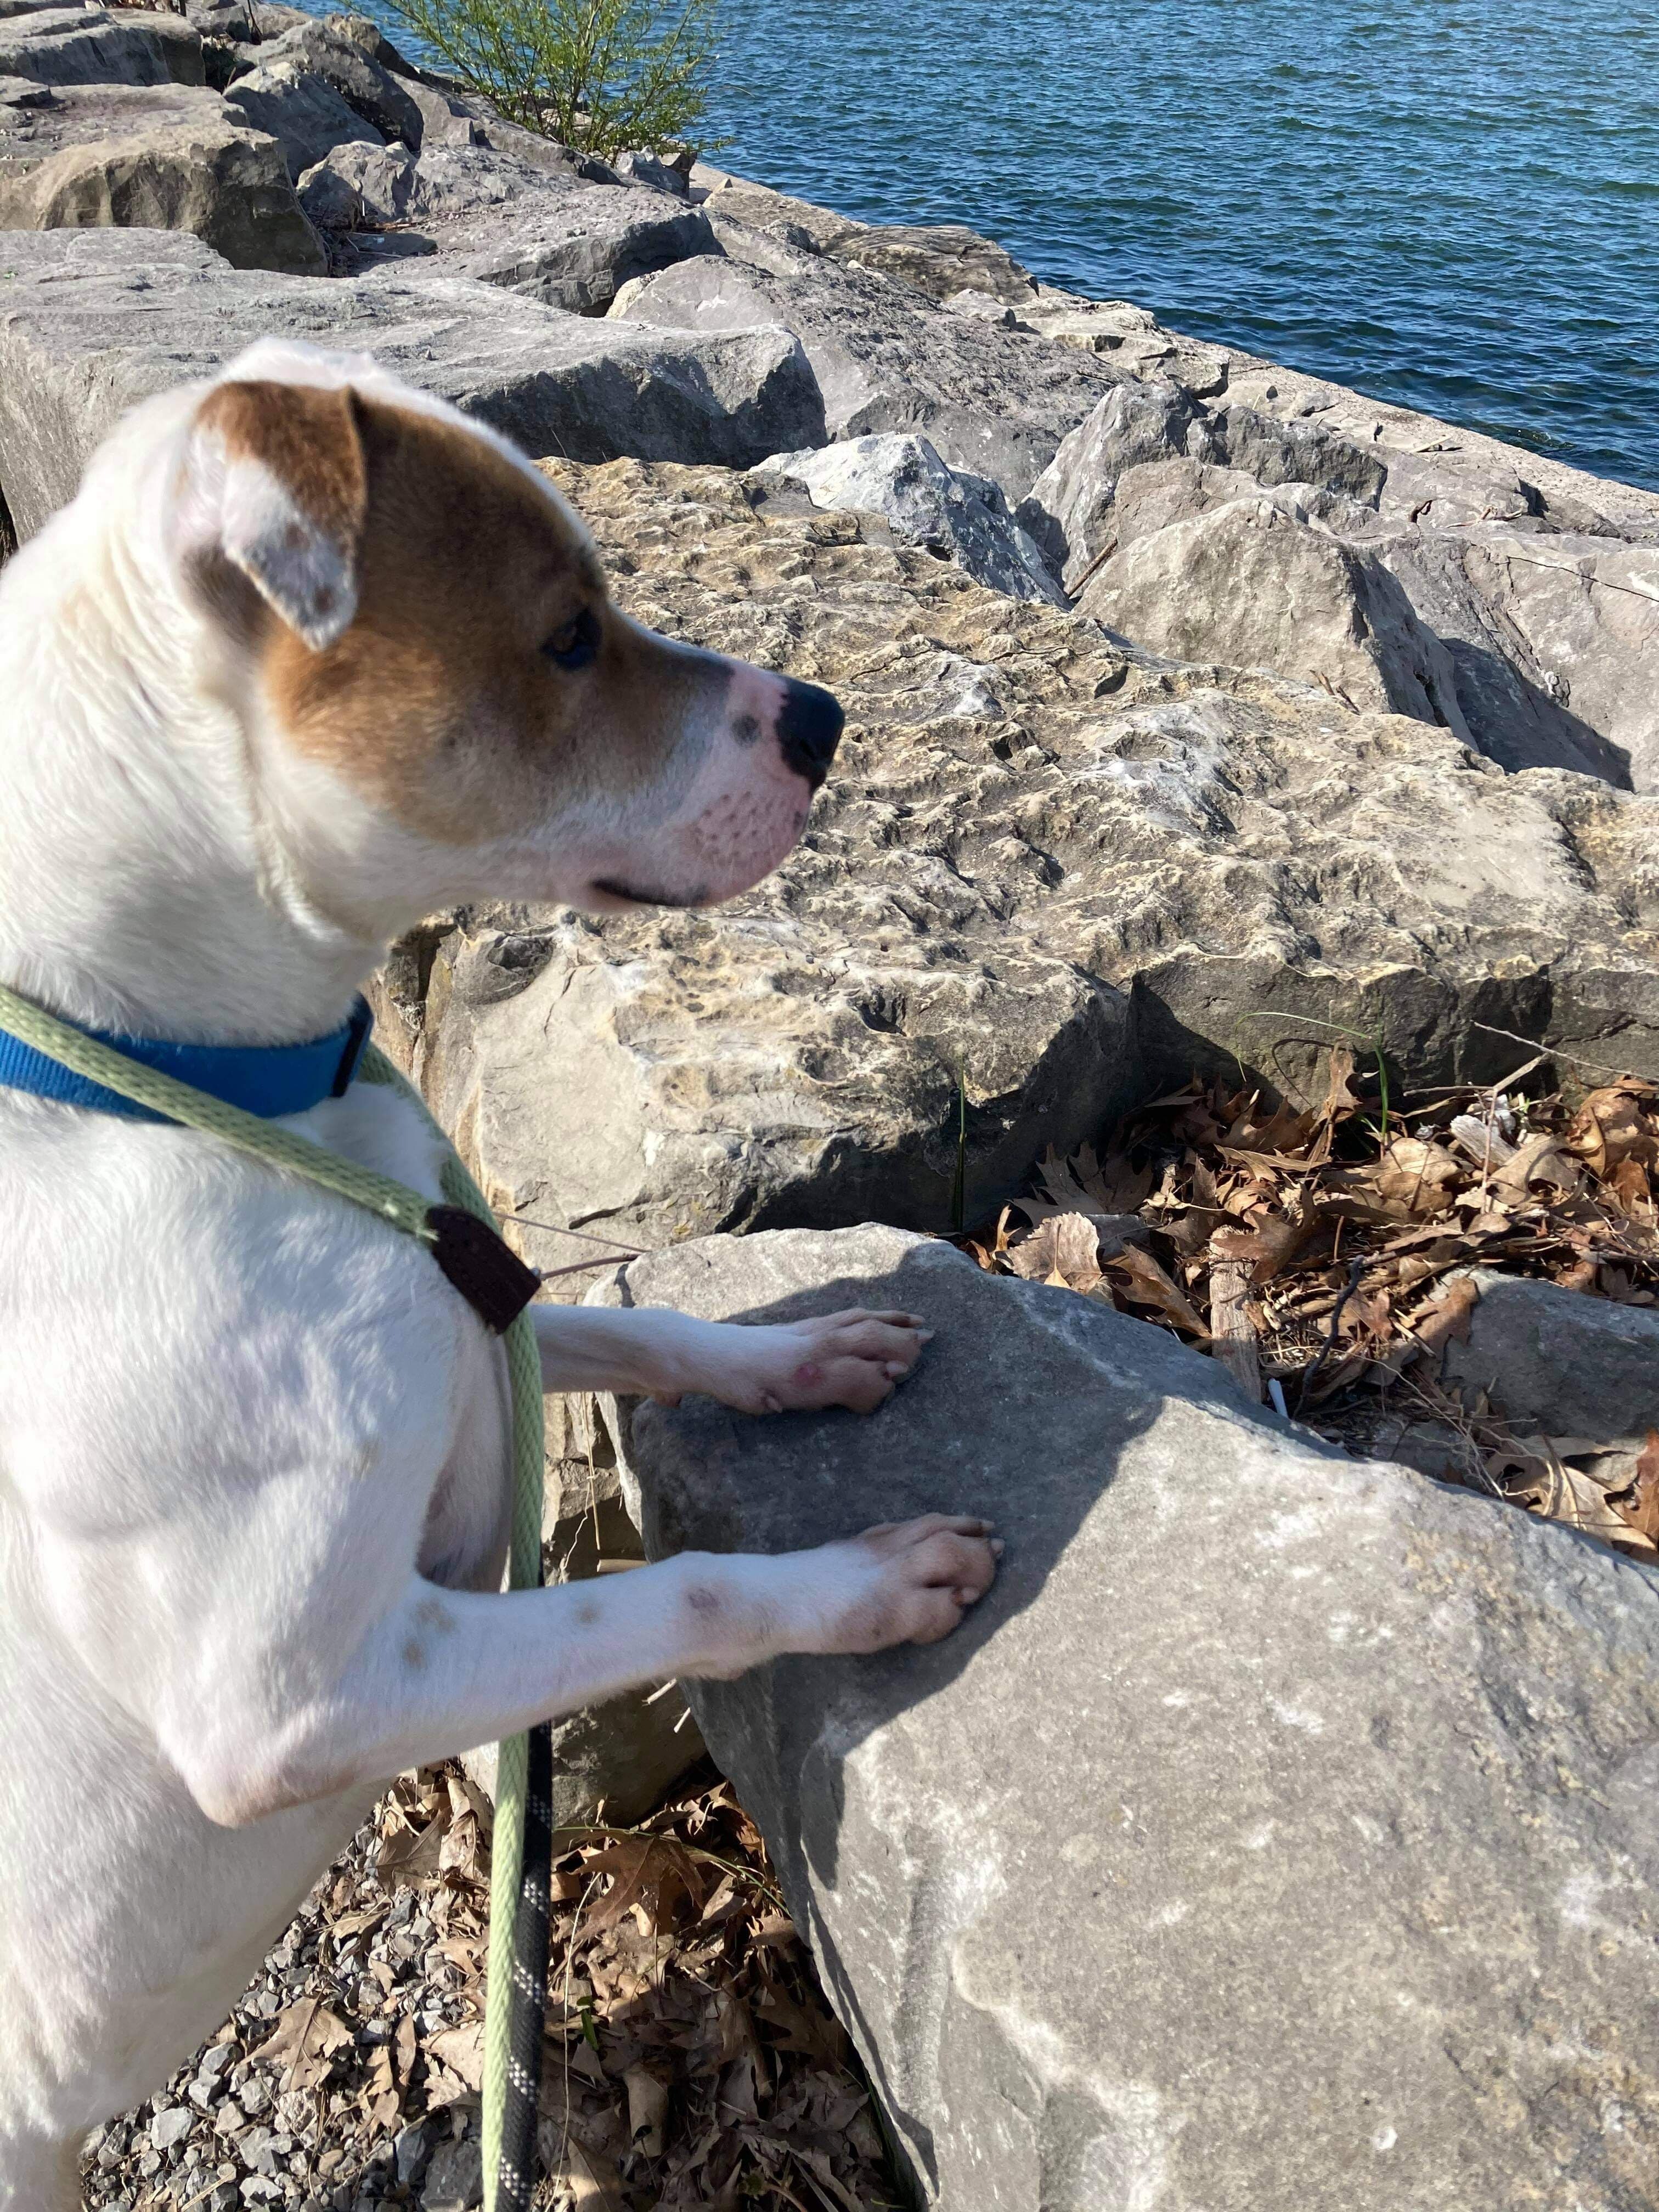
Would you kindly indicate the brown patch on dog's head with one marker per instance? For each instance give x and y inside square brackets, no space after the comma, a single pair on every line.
[483,675]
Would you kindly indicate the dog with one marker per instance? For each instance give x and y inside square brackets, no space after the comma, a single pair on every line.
[311,655]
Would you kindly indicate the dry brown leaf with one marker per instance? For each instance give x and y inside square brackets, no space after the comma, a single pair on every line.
[648,2108]
[306,2036]
[1444,1319]
[1148,1286]
[461,2049]
[1541,1159]
[1064,1249]
[1638,1505]
[1415,1174]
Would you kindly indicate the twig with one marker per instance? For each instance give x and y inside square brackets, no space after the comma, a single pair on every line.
[1356,1269]
[1557,1052]
[582,1235]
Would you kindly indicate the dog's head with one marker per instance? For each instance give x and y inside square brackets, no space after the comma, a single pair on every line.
[416,629]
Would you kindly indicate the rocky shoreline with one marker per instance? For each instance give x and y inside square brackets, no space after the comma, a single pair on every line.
[1201,714]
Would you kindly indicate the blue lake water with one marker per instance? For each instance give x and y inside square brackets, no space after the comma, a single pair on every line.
[1451,204]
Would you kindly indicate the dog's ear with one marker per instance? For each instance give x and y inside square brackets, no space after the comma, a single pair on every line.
[275,485]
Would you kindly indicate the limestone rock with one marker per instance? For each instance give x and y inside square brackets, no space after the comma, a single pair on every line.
[228,187]
[371,91]
[992,402]
[359,184]
[81,339]
[97,46]
[1553,639]
[794,223]
[1276,1833]
[1136,342]
[1254,586]
[33,130]
[1440,474]
[1275,453]
[957,516]
[938,259]
[1042,869]
[1068,512]
[299,109]
[1154,494]
[572,247]
[1559,1362]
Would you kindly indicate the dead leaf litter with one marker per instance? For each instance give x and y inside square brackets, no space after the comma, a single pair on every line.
[691,2058]
[1321,1252]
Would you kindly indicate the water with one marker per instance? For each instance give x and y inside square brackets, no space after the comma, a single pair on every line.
[1451,204]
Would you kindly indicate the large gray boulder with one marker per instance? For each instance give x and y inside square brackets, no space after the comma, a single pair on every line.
[941,259]
[1046,879]
[228,187]
[924,501]
[367,87]
[1554,639]
[1257,586]
[81,341]
[1559,1361]
[541,230]
[1278,1831]
[301,109]
[995,401]
[39,120]
[1069,509]
[97,46]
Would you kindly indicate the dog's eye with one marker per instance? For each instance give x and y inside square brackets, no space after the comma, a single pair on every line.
[576,644]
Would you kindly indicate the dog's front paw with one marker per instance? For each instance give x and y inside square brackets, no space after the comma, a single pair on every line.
[856,1358]
[902,1582]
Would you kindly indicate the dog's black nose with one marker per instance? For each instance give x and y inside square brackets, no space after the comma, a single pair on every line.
[809,730]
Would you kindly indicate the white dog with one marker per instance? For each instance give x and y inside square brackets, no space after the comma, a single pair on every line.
[309,656]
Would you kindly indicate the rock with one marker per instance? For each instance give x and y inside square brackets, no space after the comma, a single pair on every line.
[640,168]
[1441,475]
[359,184]
[1155,494]
[18,93]
[454,2179]
[1253,586]
[371,91]
[1136,342]
[1553,641]
[228,187]
[556,238]
[1560,1361]
[299,109]
[796,223]
[959,517]
[60,116]
[1275,453]
[939,259]
[1276,1831]
[170,2126]
[74,355]
[96,45]
[445,121]
[1043,868]
[1068,512]
[989,401]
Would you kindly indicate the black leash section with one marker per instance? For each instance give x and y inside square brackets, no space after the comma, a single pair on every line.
[527,2014]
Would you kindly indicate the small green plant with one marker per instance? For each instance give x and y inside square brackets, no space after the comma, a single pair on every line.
[599,75]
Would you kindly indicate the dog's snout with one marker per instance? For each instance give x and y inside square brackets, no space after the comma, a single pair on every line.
[810,724]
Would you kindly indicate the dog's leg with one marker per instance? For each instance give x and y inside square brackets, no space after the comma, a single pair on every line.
[855,1358]
[448,1669]
[39,2177]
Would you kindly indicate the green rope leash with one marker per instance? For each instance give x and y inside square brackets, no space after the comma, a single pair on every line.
[407,1210]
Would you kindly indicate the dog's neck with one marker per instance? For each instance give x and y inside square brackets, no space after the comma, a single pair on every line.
[150,883]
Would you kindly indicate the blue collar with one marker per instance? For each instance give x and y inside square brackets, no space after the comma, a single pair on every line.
[266,1080]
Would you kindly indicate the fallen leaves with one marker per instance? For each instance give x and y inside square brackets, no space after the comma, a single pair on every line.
[1322,1252]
